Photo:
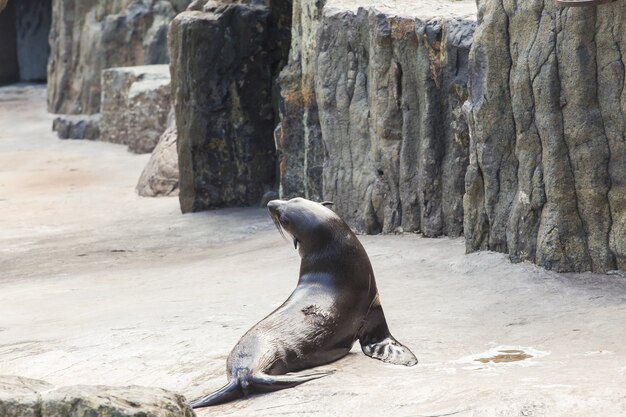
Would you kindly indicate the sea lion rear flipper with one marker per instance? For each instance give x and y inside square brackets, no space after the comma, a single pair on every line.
[228,392]
[378,343]
[263,382]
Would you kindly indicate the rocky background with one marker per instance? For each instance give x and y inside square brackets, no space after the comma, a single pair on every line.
[91,35]
[547,110]
[510,129]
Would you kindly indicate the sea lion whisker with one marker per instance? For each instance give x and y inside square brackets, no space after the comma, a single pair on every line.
[278,226]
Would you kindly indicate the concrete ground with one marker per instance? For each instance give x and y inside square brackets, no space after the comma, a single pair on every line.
[100,286]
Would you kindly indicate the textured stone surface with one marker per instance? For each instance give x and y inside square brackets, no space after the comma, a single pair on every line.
[299,137]
[19,396]
[149,102]
[547,177]
[224,61]
[160,176]
[33,18]
[382,133]
[135,104]
[77,126]
[91,35]
[24,397]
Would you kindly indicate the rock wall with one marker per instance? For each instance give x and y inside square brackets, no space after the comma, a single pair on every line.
[547,109]
[33,19]
[9,70]
[372,112]
[91,35]
[225,58]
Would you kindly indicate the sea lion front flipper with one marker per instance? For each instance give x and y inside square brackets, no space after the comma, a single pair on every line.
[263,382]
[391,351]
[378,343]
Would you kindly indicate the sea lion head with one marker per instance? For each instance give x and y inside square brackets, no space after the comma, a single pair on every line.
[310,224]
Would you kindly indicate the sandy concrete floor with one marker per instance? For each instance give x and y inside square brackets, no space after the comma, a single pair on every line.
[100,286]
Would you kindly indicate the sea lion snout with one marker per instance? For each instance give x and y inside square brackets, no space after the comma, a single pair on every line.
[273,205]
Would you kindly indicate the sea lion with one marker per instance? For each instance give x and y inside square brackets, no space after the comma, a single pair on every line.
[334,304]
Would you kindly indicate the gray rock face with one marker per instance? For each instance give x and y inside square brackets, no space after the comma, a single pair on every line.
[33,19]
[224,61]
[382,133]
[77,126]
[92,35]
[23,397]
[135,105]
[160,176]
[547,175]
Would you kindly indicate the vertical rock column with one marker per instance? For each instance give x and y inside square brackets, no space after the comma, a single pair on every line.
[223,62]
[547,109]
[372,116]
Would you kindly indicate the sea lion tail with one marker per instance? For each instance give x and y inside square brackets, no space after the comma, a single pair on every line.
[263,382]
[228,392]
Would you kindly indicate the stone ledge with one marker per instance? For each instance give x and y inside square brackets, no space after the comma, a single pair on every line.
[25,397]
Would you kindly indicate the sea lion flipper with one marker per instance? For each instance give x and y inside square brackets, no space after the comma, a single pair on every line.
[228,392]
[378,343]
[391,351]
[265,382]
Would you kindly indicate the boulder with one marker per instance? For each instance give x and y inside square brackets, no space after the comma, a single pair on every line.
[149,101]
[24,397]
[20,397]
[547,175]
[225,58]
[372,116]
[91,35]
[135,105]
[160,176]
[77,126]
